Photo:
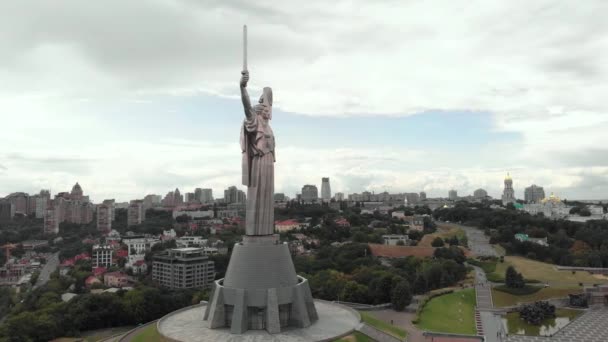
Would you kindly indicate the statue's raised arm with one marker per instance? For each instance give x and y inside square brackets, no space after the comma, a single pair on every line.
[245,95]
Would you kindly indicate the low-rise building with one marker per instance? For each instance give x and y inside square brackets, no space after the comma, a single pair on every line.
[91,280]
[183,268]
[342,223]
[191,241]
[195,214]
[116,279]
[393,239]
[416,222]
[33,244]
[525,238]
[287,225]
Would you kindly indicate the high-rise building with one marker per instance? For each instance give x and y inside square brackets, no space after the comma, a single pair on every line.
[480,194]
[177,197]
[412,198]
[325,189]
[7,210]
[189,197]
[42,201]
[102,256]
[20,201]
[198,195]
[207,196]
[422,196]
[534,194]
[452,195]
[183,268]
[76,193]
[279,197]
[151,201]
[234,195]
[339,196]
[136,213]
[310,194]
[169,200]
[104,217]
[52,217]
[111,203]
[508,194]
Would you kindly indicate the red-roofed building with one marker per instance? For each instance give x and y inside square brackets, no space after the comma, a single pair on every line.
[122,253]
[91,280]
[99,271]
[116,279]
[67,263]
[342,222]
[140,267]
[82,256]
[287,225]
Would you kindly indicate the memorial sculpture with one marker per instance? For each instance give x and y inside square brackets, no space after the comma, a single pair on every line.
[261,289]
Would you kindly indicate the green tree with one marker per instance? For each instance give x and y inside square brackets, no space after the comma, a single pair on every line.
[401,296]
[437,242]
[354,292]
[513,279]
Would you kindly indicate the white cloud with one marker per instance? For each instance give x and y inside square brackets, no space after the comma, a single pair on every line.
[537,67]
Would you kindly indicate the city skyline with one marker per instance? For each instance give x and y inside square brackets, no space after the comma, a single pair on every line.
[399,104]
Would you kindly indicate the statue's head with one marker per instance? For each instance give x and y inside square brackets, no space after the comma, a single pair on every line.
[266,103]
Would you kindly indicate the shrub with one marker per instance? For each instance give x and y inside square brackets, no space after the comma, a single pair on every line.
[536,312]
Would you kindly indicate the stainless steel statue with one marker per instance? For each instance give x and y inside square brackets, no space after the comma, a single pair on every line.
[261,289]
[257,145]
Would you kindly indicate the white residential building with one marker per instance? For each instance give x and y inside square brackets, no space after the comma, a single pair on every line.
[102,256]
[393,239]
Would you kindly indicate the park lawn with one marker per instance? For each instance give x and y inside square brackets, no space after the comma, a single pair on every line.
[450,313]
[502,299]
[355,337]
[544,272]
[499,249]
[382,325]
[442,233]
[148,334]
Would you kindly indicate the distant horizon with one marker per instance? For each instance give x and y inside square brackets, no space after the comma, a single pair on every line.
[291,196]
[412,96]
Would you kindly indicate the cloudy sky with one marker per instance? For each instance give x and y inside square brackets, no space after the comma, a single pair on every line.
[130,98]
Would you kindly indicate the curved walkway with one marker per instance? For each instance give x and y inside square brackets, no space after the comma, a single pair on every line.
[402,320]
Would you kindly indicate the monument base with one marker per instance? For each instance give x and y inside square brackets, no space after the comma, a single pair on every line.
[261,290]
[335,321]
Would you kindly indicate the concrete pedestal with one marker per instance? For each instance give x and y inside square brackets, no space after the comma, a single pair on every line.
[261,290]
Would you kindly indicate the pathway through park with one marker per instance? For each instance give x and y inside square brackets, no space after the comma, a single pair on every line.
[402,320]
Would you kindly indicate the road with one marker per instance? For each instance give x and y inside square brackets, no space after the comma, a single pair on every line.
[479,244]
[45,273]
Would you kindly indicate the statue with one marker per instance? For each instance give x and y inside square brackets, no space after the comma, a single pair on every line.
[261,289]
[257,146]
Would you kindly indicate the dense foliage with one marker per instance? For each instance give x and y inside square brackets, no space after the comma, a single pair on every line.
[570,243]
[349,273]
[514,279]
[43,316]
[536,312]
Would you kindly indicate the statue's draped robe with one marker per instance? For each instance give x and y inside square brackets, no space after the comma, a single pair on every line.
[257,144]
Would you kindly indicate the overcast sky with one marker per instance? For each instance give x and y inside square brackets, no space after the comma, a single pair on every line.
[130,98]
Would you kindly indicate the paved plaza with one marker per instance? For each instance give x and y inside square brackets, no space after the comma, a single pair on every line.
[187,325]
[592,326]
